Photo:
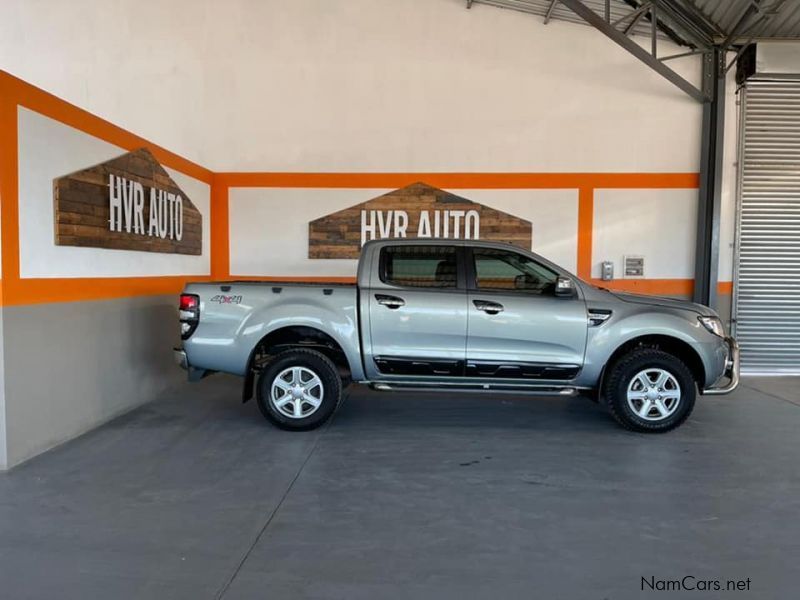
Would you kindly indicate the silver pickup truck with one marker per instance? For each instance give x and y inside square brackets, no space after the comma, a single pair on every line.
[456,315]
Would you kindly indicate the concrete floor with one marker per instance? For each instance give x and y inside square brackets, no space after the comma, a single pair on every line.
[404,496]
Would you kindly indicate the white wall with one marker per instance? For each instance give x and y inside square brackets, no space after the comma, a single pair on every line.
[269,226]
[361,85]
[356,85]
[778,57]
[48,150]
[657,224]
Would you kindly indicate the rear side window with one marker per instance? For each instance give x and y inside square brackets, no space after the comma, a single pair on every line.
[419,266]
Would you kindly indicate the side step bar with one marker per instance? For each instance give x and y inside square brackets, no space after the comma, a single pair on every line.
[537,390]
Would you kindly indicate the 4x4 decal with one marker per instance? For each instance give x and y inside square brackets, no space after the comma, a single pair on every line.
[220,299]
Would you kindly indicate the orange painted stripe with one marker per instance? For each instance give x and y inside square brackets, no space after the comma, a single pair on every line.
[585,232]
[683,287]
[220,230]
[9,208]
[37,291]
[294,279]
[42,102]
[463,180]
[640,286]
[40,291]
[669,287]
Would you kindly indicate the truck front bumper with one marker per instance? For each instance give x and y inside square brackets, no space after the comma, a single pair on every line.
[731,371]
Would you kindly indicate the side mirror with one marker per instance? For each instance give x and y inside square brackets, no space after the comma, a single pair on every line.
[565,287]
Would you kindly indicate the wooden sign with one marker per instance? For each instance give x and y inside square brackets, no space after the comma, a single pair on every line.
[127,203]
[415,211]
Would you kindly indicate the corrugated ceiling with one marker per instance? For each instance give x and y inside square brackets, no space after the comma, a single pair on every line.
[559,12]
[784,24]
[714,19]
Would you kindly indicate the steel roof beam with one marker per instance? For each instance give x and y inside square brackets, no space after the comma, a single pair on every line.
[629,27]
[595,20]
[683,26]
[549,11]
[709,207]
[681,55]
[697,19]
[632,15]
[676,35]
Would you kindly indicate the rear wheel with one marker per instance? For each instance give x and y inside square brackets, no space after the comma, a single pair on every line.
[649,390]
[299,390]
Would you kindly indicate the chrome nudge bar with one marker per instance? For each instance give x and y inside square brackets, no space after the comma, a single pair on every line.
[731,370]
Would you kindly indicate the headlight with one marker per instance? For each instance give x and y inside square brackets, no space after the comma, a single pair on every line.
[713,324]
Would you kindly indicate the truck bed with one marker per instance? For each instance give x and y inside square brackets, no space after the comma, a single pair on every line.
[236,315]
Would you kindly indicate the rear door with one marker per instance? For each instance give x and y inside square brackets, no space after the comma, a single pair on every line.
[518,328]
[418,311]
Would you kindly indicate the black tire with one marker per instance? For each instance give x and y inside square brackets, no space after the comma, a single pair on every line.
[622,373]
[314,362]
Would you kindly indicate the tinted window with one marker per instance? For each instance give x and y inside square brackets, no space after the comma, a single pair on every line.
[419,266]
[505,270]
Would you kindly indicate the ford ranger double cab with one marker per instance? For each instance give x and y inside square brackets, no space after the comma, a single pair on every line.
[456,315]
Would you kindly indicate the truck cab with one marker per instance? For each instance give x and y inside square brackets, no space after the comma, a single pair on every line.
[474,312]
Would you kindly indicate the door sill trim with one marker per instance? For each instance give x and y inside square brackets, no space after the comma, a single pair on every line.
[541,390]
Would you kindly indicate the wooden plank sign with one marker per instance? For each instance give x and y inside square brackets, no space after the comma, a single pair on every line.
[127,203]
[415,211]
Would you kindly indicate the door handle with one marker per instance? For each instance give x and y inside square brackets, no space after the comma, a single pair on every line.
[490,308]
[392,302]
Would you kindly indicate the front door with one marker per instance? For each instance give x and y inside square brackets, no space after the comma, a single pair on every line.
[418,312]
[518,328]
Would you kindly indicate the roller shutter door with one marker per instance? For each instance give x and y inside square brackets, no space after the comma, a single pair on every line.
[767,278]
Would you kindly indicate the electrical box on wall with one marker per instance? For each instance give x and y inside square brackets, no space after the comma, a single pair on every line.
[634,265]
[607,270]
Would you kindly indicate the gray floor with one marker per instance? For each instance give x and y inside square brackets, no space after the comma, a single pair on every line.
[408,497]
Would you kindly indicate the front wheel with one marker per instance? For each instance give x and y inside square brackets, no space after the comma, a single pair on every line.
[299,390]
[649,390]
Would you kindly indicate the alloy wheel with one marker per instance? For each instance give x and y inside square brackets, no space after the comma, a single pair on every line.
[297,392]
[654,394]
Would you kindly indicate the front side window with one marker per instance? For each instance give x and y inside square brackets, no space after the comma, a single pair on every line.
[507,270]
[419,266]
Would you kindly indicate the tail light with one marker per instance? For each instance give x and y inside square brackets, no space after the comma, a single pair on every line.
[189,314]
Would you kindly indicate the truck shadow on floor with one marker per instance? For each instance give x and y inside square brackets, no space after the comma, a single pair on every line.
[217,399]
[363,407]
